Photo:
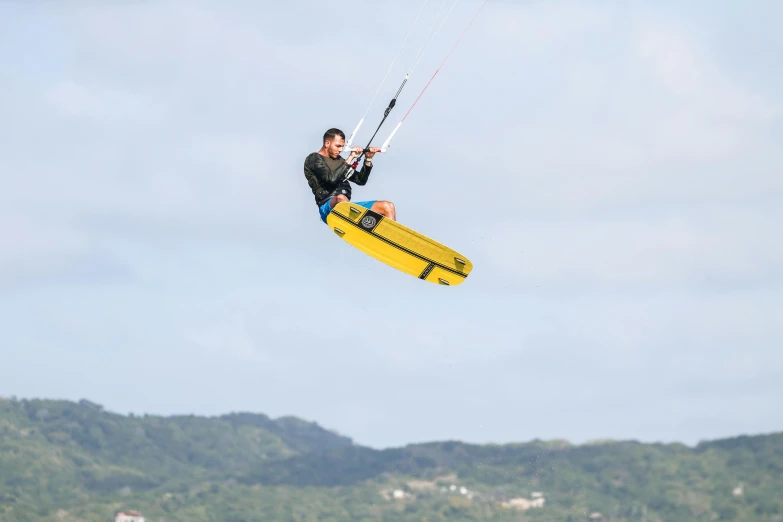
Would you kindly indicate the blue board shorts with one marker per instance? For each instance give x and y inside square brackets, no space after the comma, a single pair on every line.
[326,208]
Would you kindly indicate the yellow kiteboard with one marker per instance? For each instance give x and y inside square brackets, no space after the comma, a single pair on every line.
[397,245]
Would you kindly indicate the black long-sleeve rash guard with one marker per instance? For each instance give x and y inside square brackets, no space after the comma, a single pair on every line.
[326,176]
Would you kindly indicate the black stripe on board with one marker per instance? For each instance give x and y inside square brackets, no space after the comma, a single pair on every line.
[426,271]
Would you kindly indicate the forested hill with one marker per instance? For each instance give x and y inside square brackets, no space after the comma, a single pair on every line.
[161,446]
[64,461]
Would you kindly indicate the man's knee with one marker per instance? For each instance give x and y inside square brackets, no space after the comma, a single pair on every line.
[384,207]
[340,198]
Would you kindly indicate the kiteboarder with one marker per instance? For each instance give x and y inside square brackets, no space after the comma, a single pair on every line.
[329,175]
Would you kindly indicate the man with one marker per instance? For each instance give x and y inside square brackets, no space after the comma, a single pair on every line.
[326,170]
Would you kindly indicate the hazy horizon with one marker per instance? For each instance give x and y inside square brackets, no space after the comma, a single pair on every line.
[338,431]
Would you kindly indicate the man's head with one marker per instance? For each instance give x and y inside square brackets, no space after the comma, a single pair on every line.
[334,141]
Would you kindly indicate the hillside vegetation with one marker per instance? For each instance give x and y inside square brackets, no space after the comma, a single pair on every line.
[67,461]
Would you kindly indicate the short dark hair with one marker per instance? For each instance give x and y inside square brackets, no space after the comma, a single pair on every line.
[333,133]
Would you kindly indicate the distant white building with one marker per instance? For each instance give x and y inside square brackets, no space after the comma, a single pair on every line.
[396,494]
[537,502]
[522,504]
[128,516]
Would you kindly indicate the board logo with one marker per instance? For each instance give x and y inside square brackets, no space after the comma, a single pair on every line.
[368,222]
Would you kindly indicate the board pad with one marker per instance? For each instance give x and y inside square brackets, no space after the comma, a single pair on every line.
[397,245]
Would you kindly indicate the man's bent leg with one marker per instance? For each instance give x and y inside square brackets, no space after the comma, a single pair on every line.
[385,208]
[327,207]
[338,199]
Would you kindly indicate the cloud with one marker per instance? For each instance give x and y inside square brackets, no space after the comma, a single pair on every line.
[710,115]
[639,117]
[229,341]
[540,28]
[32,248]
[72,99]
[690,249]
[678,64]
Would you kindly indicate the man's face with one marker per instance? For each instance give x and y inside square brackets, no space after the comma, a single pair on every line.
[334,147]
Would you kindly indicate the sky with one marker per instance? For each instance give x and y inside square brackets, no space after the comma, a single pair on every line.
[613,170]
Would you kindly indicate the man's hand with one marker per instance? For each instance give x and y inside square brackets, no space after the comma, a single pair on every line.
[354,154]
[371,152]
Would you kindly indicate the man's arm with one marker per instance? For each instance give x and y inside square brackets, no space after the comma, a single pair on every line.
[363,174]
